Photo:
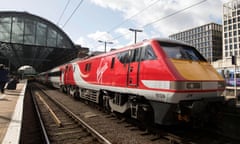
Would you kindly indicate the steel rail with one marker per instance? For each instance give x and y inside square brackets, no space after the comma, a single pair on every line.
[54,116]
[84,124]
[46,139]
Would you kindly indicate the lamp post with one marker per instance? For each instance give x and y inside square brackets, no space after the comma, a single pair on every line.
[105,44]
[135,33]
[234,62]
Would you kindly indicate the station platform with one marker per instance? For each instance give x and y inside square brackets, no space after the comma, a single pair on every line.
[11,110]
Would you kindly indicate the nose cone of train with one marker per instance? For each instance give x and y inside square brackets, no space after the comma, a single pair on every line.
[195,70]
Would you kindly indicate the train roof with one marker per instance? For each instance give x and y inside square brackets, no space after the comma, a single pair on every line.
[166,40]
[142,43]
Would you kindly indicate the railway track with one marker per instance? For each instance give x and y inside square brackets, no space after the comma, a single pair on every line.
[63,126]
[120,131]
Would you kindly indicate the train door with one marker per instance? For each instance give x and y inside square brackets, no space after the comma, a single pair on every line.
[68,74]
[46,79]
[133,68]
[62,75]
[65,75]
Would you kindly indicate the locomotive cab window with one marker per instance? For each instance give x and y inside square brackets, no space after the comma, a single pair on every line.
[135,55]
[148,53]
[184,52]
[123,57]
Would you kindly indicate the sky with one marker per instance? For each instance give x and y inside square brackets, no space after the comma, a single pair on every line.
[88,21]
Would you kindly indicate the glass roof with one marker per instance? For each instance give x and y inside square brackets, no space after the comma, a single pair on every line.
[24,30]
[26,39]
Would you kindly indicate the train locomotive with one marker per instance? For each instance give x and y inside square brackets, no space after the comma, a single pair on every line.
[158,81]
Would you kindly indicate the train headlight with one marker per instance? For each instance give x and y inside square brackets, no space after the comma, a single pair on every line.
[193,85]
[186,85]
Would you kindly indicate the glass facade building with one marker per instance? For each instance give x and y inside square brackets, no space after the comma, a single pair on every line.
[231,29]
[207,39]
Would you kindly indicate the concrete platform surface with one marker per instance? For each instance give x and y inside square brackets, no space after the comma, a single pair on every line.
[11,109]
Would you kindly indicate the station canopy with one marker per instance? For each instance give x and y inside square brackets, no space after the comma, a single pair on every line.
[27,39]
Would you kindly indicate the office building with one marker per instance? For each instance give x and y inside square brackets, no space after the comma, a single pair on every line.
[231,29]
[207,39]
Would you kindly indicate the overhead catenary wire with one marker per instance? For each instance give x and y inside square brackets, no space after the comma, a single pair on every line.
[79,4]
[174,13]
[165,17]
[131,17]
[114,27]
[65,8]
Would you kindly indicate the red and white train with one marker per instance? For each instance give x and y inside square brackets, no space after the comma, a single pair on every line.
[158,80]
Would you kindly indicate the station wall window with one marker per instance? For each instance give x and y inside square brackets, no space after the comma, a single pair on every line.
[17,30]
[29,32]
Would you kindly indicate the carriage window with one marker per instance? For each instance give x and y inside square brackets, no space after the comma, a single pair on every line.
[184,52]
[123,57]
[148,53]
[113,62]
[88,67]
[56,73]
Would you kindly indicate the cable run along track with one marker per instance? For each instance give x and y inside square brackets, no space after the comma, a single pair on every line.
[60,125]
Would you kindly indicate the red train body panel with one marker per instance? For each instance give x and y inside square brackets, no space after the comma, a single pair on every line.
[157,78]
